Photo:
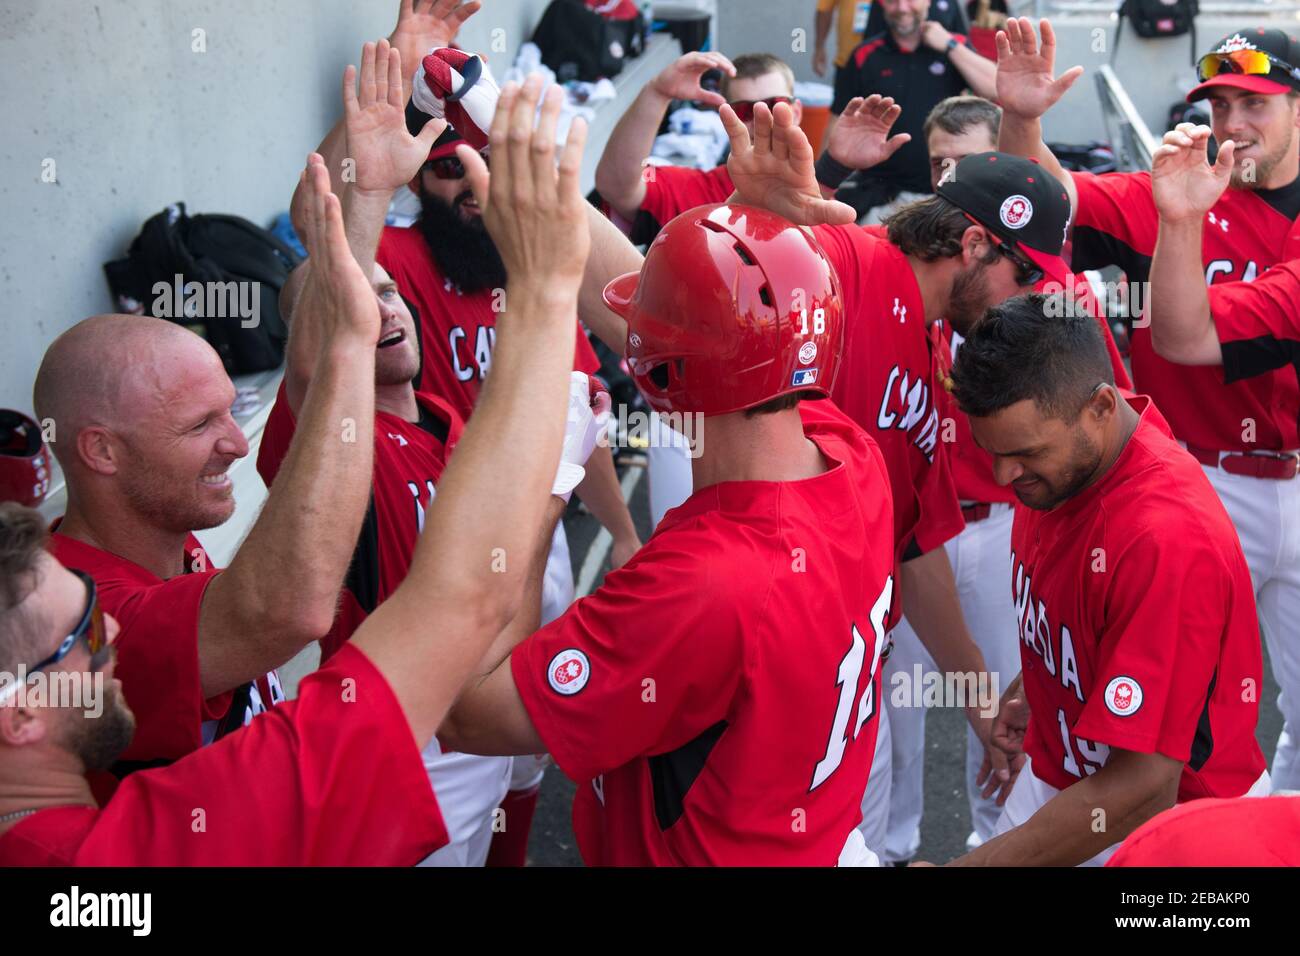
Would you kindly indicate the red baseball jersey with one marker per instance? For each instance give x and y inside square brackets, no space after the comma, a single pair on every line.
[333,778]
[409,461]
[1116,223]
[717,697]
[1137,623]
[158,652]
[1257,831]
[1258,322]
[972,466]
[457,330]
[671,190]
[889,382]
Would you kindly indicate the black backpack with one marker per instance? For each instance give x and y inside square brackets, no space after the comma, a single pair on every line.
[1158,18]
[1093,156]
[240,267]
[580,44]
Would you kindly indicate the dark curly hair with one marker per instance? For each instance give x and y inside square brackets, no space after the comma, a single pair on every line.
[931,229]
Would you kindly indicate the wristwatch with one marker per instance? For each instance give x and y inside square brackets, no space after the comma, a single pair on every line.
[952,45]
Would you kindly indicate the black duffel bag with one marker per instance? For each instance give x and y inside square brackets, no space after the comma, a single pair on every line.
[239,269]
[580,43]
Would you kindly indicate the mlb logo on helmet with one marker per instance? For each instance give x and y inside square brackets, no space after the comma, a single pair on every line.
[1123,696]
[803,376]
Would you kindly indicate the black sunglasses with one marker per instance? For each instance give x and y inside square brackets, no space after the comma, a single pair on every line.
[1027,273]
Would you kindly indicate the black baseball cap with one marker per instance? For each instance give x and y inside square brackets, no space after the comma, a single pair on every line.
[1018,201]
[1283,74]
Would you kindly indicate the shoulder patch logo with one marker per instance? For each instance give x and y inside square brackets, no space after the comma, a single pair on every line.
[1016,212]
[1123,696]
[568,671]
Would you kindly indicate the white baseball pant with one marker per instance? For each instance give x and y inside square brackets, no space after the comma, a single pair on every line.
[1266,514]
[981,565]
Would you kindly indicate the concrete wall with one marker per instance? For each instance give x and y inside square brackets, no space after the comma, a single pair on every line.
[133,118]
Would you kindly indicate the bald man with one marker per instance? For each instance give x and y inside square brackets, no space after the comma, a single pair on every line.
[143,430]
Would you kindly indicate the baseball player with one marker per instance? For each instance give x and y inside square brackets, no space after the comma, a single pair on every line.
[1244,433]
[994,229]
[699,730]
[448,268]
[1139,640]
[1247,327]
[414,434]
[648,196]
[146,438]
[959,127]
[642,198]
[334,777]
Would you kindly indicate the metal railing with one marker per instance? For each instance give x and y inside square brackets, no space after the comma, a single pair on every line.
[1127,132]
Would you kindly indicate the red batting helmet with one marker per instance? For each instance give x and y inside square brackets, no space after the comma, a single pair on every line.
[733,307]
[24,460]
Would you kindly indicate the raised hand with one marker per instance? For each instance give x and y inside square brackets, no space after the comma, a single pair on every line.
[336,296]
[775,170]
[537,219]
[681,80]
[1025,84]
[1183,183]
[387,156]
[425,24]
[861,137]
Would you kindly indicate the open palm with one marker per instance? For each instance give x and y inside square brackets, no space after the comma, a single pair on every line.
[861,137]
[385,153]
[423,25]
[775,169]
[1025,84]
